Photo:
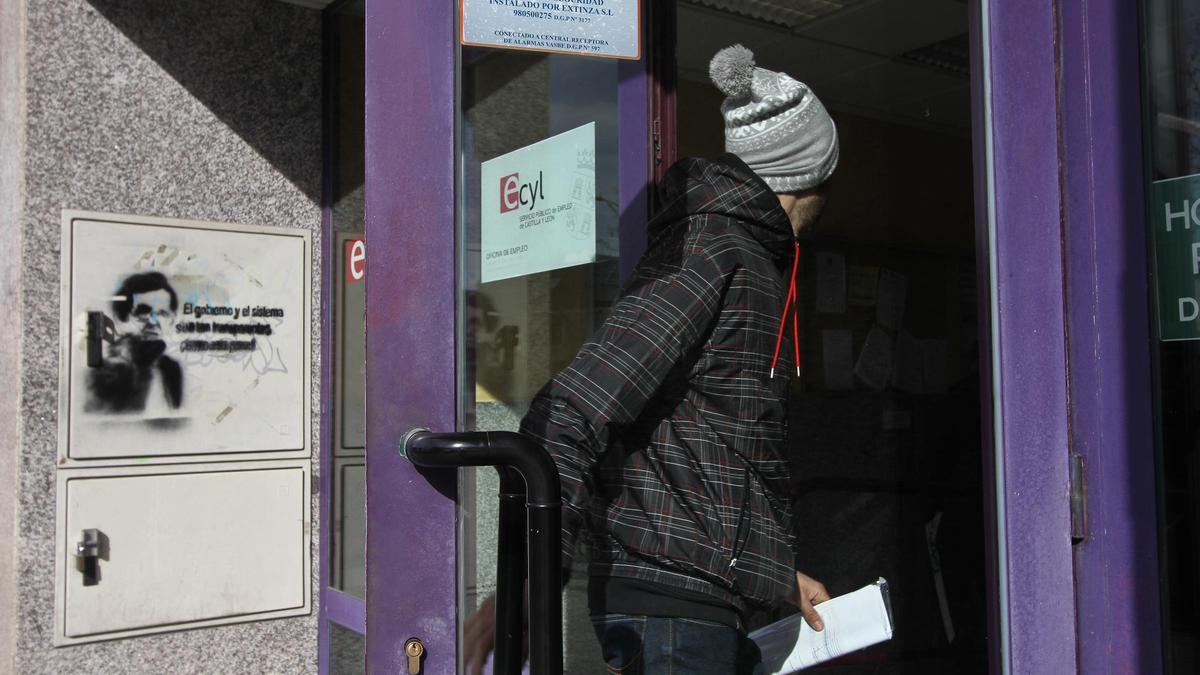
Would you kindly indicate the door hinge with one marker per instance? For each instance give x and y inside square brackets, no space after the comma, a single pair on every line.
[1078,499]
[656,139]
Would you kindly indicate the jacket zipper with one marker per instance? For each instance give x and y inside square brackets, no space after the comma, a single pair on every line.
[738,545]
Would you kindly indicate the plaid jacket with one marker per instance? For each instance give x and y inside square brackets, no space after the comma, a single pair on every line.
[669,435]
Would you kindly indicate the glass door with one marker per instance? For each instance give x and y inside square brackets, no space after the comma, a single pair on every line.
[887,445]
[554,157]
[549,126]
[931,259]
[343,480]
[525,322]
[463,325]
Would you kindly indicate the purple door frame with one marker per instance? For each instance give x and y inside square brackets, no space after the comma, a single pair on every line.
[1020,225]
[410,161]
[335,606]
[1033,270]
[1116,565]
[1071,357]
[1028,361]
[411,172]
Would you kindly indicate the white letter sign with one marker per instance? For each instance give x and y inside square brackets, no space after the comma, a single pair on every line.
[184,338]
[356,260]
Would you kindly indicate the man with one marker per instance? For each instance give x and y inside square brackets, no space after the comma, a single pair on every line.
[669,428]
[137,376]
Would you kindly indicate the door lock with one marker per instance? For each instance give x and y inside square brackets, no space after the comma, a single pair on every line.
[89,551]
[414,649]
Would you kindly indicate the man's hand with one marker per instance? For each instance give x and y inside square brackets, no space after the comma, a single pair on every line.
[810,592]
[479,636]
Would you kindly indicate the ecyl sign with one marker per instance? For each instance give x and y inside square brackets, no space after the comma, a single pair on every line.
[1175,217]
[356,260]
[605,28]
[539,207]
[515,194]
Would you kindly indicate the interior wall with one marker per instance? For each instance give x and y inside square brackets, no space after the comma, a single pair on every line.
[515,103]
[886,471]
[870,200]
[195,109]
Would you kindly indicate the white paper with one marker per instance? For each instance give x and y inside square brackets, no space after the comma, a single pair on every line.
[539,206]
[896,420]
[968,334]
[893,288]
[831,283]
[910,364]
[874,365]
[967,297]
[837,351]
[864,285]
[608,28]
[939,584]
[936,356]
[853,621]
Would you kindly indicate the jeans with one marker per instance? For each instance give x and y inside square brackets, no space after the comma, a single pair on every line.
[650,645]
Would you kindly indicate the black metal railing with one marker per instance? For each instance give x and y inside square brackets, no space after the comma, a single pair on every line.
[529,538]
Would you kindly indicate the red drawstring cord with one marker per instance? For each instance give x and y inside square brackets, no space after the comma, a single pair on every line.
[796,324]
[793,303]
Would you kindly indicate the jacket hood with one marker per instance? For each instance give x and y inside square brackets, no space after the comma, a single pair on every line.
[724,187]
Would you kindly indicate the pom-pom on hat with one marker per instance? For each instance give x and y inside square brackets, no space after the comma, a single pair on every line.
[774,123]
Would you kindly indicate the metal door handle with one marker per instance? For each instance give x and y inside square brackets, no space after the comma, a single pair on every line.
[88,553]
[521,461]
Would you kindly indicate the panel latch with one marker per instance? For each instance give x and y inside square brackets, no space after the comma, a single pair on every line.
[89,551]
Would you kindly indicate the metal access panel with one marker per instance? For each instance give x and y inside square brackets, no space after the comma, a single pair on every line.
[151,549]
[183,339]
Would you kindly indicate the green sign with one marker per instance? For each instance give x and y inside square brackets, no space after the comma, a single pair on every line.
[1175,217]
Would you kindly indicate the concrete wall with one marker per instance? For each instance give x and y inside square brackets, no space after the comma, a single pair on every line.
[197,109]
[12,110]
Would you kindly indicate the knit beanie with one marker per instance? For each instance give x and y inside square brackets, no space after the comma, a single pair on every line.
[773,123]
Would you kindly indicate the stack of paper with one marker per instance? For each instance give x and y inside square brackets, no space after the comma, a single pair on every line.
[852,622]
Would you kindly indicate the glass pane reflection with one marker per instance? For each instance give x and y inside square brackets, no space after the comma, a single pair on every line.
[348,302]
[520,331]
[347,651]
[885,441]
